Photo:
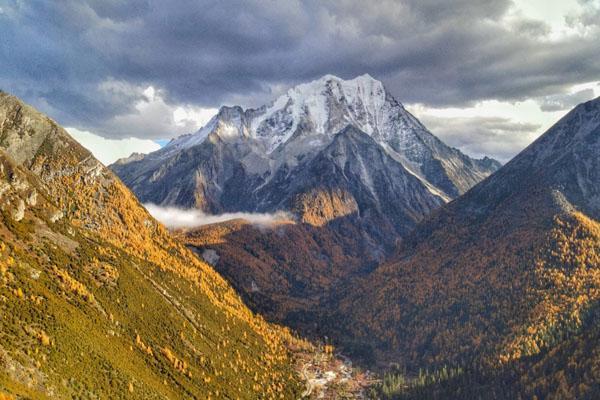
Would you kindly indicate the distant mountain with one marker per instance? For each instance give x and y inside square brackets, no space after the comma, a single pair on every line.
[326,149]
[503,282]
[345,157]
[98,301]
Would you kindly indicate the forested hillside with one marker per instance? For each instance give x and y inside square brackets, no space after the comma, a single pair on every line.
[97,300]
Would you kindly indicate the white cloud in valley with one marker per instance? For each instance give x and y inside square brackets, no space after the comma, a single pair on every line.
[174,217]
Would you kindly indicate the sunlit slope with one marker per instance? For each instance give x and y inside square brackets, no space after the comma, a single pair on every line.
[98,301]
[551,350]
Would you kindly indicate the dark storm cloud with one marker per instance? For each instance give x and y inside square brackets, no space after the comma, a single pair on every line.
[60,55]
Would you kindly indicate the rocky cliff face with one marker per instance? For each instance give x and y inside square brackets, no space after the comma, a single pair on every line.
[262,159]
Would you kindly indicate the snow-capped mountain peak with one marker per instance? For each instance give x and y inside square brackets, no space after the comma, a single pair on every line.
[323,106]
[253,159]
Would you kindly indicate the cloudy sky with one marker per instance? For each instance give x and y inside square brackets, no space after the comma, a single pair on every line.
[486,76]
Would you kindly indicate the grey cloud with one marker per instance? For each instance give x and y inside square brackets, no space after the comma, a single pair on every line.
[589,17]
[496,137]
[531,27]
[58,55]
[565,101]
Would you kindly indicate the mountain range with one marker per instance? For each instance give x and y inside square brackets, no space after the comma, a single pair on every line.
[355,169]
[507,276]
[451,277]
[325,150]
[471,267]
[495,293]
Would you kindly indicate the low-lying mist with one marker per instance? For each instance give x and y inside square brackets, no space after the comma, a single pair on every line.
[173,217]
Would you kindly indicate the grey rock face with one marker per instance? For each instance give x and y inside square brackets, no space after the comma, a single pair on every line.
[263,159]
[19,212]
[388,196]
[32,198]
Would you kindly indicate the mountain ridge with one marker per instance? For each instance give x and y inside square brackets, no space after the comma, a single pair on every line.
[563,157]
[99,300]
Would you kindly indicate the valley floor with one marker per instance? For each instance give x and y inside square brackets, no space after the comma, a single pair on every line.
[332,376]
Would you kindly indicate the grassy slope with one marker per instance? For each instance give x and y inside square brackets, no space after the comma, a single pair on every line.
[103,303]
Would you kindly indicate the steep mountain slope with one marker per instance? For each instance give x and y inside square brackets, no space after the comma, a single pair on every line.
[98,301]
[505,274]
[286,271]
[269,158]
[363,178]
[555,353]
